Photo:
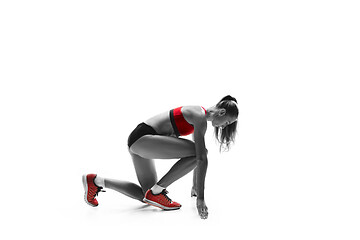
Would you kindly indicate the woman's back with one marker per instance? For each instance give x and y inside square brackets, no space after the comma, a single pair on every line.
[162,123]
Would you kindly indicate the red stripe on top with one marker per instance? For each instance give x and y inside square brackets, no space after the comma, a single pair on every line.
[182,125]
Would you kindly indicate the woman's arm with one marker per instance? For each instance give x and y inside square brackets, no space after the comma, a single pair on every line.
[193,189]
[197,118]
[195,174]
[200,201]
[202,163]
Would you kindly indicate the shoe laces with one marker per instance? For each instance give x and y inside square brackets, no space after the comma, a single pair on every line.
[164,192]
[99,189]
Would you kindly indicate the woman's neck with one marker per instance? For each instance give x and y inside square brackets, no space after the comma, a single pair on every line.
[210,113]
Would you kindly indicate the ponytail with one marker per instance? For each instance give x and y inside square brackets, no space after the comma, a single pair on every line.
[225,136]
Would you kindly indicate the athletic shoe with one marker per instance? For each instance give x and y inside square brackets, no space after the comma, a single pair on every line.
[91,189]
[160,200]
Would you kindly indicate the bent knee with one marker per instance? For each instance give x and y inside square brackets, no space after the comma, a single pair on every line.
[140,146]
[135,149]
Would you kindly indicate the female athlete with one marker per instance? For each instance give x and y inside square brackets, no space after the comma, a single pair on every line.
[158,138]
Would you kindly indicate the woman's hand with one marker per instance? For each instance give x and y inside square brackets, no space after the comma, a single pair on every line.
[202,208]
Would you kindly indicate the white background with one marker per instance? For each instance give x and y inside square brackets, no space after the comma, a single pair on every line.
[78,76]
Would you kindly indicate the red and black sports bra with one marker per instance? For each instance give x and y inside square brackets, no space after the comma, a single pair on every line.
[180,125]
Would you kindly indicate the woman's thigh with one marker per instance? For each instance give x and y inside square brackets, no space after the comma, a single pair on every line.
[145,171]
[163,147]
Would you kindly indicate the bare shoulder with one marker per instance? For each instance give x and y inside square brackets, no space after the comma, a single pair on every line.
[194,114]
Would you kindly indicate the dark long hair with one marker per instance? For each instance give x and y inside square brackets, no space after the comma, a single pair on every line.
[226,135]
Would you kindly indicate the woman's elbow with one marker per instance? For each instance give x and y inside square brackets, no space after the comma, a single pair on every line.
[202,157]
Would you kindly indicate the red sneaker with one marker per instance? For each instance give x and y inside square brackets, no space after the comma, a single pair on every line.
[91,189]
[160,200]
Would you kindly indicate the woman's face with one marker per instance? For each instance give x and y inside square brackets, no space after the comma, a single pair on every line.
[223,120]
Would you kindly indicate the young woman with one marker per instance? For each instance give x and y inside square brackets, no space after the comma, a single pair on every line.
[158,138]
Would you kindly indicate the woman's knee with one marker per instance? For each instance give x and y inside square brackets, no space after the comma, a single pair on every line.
[135,150]
[140,148]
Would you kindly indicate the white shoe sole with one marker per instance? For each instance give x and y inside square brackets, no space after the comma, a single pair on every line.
[86,190]
[155,204]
